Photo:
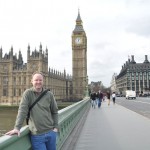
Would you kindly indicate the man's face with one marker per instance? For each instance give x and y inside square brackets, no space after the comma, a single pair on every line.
[37,81]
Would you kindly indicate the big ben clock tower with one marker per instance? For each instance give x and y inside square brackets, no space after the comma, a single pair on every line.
[79,60]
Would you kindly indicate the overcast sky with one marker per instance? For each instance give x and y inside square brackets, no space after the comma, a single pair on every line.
[115,29]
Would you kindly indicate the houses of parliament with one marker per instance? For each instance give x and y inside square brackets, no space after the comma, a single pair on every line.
[15,75]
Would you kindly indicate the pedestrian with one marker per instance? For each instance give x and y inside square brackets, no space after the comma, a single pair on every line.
[100,99]
[113,97]
[93,99]
[108,97]
[43,121]
[97,98]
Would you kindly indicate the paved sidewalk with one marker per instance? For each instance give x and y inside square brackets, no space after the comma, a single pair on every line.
[114,128]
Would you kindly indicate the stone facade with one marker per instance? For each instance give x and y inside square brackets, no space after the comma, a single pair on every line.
[15,76]
[113,86]
[134,76]
[79,60]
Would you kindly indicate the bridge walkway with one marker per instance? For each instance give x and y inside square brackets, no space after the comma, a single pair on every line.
[114,127]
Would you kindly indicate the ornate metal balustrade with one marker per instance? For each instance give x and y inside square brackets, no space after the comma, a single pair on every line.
[68,118]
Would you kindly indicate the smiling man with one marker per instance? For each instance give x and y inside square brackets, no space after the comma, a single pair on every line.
[43,121]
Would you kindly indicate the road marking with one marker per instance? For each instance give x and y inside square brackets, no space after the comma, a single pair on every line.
[141,102]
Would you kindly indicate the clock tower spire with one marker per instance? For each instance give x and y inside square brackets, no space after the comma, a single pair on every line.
[79,60]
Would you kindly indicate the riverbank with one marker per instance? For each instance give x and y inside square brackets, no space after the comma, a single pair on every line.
[8,115]
[61,105]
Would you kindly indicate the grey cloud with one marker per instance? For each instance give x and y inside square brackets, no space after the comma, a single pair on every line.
[136,2]
[101,45]
[140,26]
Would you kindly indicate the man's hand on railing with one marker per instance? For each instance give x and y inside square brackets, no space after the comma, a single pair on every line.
[55,130]
[12,132]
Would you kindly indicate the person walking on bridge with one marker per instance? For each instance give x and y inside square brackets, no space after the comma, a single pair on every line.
[93,99]
[108,97]
[100,95]
[43,121]
[113,97]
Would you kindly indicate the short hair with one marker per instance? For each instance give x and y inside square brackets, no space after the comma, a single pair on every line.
[37,72]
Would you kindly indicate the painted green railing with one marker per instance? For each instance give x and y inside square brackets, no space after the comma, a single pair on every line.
[15,142]
[68,118]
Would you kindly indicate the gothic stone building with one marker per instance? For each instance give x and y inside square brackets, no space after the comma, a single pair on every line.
[79,60]
[134,76]
[15,75]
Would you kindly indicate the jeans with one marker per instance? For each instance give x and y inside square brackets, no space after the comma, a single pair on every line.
[99,103]
[94,103]
[46,141]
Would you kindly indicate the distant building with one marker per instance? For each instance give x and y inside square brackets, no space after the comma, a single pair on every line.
[96,86]
[113,86]
[134,76]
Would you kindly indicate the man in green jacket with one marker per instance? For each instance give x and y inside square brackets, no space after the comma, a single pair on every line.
[43,121]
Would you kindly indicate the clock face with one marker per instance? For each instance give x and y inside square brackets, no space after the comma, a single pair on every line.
[78,40]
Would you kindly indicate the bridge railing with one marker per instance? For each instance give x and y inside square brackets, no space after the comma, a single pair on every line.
[68,118]
[16,143]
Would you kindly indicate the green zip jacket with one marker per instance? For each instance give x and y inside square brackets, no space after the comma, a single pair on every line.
[43,116]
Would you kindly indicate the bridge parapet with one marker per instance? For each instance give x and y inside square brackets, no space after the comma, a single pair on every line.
[68,118]
[17,143]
